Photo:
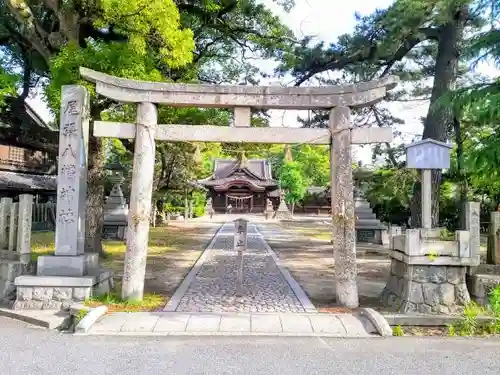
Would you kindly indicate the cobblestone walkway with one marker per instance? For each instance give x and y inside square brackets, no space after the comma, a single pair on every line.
[265,288]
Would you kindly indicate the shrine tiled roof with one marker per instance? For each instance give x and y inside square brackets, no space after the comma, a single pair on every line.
[25,181]
[255,171]
[259,168]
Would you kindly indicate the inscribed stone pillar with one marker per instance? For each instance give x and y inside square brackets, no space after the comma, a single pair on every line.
[23,243]
[140,202]
[426,198]
[342,203]
[14,210]
[5,204]
[72,171]
[472,224]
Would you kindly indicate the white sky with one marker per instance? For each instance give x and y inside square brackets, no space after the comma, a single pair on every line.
[324,21]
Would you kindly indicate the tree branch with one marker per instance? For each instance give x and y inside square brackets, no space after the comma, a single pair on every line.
[370,54]
[22,13]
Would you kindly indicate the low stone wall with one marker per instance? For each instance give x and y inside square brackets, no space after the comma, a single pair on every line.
[425,289]
[53,292]
[9,270]
[486,277]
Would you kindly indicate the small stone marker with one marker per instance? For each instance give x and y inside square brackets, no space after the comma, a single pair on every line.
[426,155]
[240,245]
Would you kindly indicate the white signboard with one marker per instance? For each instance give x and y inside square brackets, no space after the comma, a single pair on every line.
[428,154]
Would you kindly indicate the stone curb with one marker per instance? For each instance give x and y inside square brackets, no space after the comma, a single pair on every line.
[50,322]
[427,320]
[378,320]
[90,318]
[238,334]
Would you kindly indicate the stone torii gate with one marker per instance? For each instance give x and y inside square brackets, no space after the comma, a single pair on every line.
[340,136]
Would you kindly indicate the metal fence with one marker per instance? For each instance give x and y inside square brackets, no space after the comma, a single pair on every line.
[44,217]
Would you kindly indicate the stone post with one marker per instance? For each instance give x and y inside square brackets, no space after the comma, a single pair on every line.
[140,203]
[240,245]
[472,224]
[72,172]
[394,231]
[342,205]
[493,255]
[71,188]
[5,204]
[426,199]
[186,207]
[23,243]
[190,209]
[14,211]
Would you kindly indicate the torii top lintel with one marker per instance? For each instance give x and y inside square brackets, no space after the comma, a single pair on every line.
[225,96]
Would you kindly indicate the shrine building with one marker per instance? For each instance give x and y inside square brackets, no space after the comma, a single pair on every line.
[244,184]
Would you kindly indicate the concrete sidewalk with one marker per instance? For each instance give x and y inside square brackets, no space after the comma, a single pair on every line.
[228,324]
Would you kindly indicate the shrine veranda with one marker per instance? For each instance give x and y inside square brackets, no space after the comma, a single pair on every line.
[70,265]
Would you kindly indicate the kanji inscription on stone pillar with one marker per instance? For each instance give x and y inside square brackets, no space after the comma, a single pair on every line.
[72,171]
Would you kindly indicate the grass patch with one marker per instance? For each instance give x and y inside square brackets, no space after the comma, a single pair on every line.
[80,315]
[398,331]
[469,324]
[42,243]
[113,301]
[161,239]
[325,236]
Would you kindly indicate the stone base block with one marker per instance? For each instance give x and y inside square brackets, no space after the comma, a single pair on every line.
[53,265]
[56,292]
[425,289]
[9,270]
[376,235]
[115,231]
[485,279]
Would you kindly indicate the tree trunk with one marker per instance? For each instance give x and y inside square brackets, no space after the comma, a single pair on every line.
[439,120]
[95,190]
[462,177]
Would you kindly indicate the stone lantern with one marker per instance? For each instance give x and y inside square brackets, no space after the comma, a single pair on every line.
[115,207]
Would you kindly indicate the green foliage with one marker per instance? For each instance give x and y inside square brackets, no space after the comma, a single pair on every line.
[470,325]
[8,83]
[390,191]
[152,28]
[314,162]
[80,315]
[398,331]
[293,182]
[199,201]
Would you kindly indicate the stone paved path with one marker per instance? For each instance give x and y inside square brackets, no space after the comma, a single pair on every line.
[266,288]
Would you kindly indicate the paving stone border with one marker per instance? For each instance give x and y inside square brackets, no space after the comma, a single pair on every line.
[233,324]
[50,319]
[426,320]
